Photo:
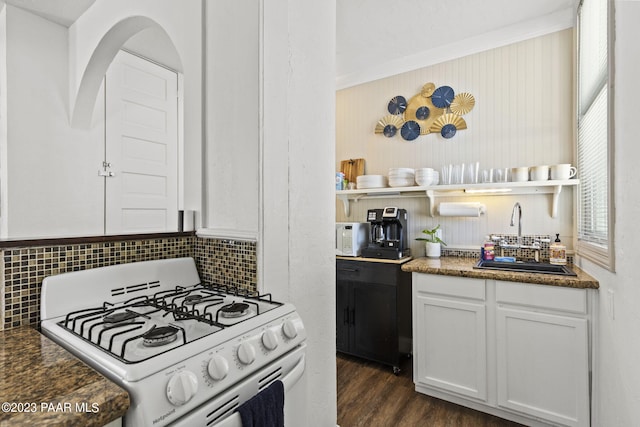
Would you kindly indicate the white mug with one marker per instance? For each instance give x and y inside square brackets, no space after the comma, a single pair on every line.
[539,173]
[563,171]
[519,174]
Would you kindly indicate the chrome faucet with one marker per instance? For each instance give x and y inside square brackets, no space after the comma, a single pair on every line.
[513,220]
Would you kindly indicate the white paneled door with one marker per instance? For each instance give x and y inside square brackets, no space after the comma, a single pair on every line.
[141,149]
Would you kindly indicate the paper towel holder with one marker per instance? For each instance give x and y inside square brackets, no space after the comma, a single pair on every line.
[462,209]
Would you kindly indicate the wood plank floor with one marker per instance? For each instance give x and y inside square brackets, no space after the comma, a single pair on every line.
[370,395]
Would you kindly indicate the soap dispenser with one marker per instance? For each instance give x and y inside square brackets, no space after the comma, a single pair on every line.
[558,252]
[487,251]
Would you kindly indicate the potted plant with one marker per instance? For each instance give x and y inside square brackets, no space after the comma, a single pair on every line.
[433,240]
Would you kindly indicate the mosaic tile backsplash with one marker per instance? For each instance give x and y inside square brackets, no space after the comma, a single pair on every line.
[227,262]
[511,239]
[23,269]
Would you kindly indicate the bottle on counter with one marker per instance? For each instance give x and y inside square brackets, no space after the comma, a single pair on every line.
[488,250]
[340,185]
[557,252]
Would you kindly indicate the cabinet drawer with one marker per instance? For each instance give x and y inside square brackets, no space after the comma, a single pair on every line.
[543,296]
[362,271]
[447,285]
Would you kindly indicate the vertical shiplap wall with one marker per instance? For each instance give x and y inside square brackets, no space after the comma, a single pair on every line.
[522,117]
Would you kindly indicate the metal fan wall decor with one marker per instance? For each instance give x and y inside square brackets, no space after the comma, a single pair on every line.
[433,110]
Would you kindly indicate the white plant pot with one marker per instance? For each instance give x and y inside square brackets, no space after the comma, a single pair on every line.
[433,250]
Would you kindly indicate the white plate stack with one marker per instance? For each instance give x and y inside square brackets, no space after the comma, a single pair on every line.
[371,181]
[401,177]
[426,177]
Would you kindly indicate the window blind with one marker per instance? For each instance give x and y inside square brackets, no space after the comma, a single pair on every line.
[593,131]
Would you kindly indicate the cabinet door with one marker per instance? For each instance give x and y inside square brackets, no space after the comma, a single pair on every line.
[542,365]
[342,315]
[374,331]
[450,346]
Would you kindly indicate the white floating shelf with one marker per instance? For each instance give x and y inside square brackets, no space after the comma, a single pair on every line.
[431,192]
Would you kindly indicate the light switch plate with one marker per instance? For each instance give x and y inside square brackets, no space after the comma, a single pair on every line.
[610,305]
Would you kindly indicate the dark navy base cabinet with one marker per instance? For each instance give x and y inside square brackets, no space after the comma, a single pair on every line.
[373,310]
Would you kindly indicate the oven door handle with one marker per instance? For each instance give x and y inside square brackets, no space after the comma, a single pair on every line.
[288,381]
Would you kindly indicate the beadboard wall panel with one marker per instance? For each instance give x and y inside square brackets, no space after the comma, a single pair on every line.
[522,117]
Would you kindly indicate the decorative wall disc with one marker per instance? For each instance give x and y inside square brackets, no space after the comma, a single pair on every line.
[443,96]
[390,130]
[462,103]
[448,131]
[434,109]
[422,112]
[389,125]
[427,90]
[416,103]
[410,130]
[397,105]
[448,119]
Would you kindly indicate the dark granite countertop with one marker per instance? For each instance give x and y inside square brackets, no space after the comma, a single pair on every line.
[46,385]
[463,267]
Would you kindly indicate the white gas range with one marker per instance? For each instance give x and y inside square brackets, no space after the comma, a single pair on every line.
[188,353]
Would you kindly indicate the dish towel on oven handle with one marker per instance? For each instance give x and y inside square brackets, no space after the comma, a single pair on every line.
[265,409]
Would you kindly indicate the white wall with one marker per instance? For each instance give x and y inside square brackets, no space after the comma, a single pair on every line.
[311,209]
[522,117]
[182,22]
[297,261]
[48,164]
[270,141]
[617,376]
[3,116]
[233,117]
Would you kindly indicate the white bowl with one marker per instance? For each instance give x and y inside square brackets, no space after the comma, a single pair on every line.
[401,178]
[424,181]
[401,171]
[401,182]
[424,171]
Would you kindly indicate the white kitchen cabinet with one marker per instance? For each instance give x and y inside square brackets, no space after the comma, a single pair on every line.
[543,355]
[516,350]
[452,333]
[115,423]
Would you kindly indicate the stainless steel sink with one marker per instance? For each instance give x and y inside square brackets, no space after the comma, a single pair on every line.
[526,267]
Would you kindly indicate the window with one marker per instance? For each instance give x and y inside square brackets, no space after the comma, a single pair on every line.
[595,225]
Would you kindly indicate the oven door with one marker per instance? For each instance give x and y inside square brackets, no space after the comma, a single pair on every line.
[221,410]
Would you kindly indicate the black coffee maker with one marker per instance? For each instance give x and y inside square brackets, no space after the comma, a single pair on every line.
[388,234]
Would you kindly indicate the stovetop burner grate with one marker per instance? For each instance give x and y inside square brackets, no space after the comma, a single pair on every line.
[114,328]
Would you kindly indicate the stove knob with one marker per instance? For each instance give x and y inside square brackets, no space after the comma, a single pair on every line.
[182,387]
[289,329]
[218,367]
[246,353]
[269,340]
